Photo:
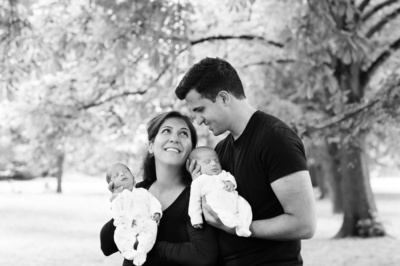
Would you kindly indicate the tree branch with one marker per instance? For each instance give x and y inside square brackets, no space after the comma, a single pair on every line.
[126,93]
[240,37]
[371,12]
[265,63]
[381,59]
[312,127]
[363,5]
[387,97]
[386,19]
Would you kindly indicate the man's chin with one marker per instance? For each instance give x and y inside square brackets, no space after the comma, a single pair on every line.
[216,133]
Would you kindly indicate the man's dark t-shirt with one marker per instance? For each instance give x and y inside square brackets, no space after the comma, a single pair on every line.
[266,151]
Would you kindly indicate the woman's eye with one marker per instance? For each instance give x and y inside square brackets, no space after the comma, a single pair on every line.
[165,130]
[185,134]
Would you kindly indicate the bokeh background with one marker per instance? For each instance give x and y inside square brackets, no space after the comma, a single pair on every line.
[79,79]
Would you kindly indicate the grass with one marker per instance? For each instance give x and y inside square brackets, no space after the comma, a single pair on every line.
[39,227]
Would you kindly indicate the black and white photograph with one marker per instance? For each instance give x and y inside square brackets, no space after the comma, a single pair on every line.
[200,132]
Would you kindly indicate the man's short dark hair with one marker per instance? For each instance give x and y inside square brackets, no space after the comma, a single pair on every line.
[210,76]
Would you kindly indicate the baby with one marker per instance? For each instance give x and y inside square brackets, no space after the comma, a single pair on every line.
[136,215]
[218,187]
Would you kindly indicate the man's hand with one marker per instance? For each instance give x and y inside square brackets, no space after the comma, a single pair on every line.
[193,168]
[212,218]
[228,186]
[115,191]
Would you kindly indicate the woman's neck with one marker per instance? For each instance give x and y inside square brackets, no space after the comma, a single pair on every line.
[168,177]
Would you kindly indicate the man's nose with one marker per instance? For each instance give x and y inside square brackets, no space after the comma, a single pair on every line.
[200,120]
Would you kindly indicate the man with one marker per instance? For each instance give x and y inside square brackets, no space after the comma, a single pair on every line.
[266,157]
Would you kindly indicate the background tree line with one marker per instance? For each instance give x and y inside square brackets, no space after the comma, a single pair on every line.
[79,79]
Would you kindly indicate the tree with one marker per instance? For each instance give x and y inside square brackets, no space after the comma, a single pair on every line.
[87,71]
[331,71]
[342,57]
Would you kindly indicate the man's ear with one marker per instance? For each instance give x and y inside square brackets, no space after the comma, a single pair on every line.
[225,97]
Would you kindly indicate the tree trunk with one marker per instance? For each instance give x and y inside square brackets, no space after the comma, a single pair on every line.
[359,209]
[360,213]
[335,177]
[59,165]
[323,170]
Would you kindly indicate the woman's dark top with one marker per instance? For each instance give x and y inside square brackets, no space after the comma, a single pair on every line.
[178,243]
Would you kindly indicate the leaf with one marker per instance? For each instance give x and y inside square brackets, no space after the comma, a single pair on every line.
[341,8]
[309,92]
[332,85]
[346,59]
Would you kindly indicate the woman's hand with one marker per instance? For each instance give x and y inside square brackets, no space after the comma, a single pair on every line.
[193,168]
[115,191]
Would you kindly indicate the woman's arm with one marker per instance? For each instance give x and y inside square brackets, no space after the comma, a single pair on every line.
[201,250]
[107,243]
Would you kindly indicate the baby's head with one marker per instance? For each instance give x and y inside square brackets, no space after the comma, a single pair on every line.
[208,160]
[120,175]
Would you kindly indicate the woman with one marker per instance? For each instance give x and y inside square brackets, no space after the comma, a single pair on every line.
[172,137]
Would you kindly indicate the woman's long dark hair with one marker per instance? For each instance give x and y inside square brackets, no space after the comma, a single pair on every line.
[153,126]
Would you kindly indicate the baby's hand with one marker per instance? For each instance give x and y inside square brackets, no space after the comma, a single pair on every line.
[229,186]
[198,226]
[156,217]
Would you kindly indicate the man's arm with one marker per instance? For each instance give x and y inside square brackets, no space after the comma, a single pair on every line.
[298,221]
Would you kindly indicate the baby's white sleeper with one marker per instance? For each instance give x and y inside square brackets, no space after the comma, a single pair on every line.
[136,231]
[232,209]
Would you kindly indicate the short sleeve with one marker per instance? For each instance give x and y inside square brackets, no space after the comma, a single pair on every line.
[283,153]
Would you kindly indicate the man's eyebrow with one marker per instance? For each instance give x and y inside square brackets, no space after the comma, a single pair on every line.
[197,109]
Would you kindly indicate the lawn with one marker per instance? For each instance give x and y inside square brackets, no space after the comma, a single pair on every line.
[39,227]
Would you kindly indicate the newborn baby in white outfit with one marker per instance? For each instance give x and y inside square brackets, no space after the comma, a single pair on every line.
[218,187]
[136,215]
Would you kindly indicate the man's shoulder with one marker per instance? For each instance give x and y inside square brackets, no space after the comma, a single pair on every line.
[225,141]
[271,127]
[268,121]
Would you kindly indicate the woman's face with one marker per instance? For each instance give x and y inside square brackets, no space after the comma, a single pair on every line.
[172,144]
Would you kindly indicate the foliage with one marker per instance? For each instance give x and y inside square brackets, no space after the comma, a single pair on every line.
[338,61]
[81,73]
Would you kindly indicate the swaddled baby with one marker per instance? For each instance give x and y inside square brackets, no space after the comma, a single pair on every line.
[136,215]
